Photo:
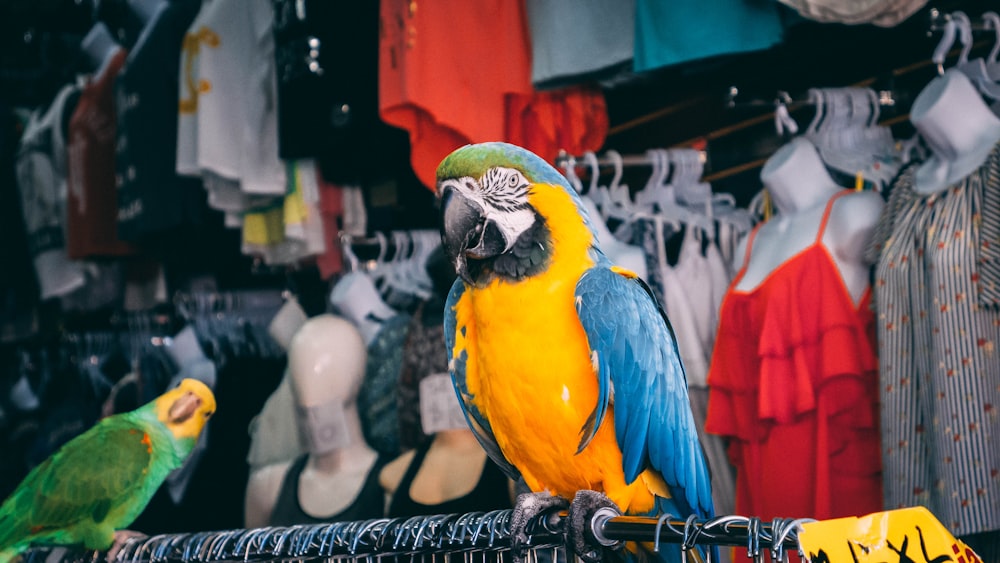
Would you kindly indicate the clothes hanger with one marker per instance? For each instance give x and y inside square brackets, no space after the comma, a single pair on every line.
[619,206]
[976,68]
[944,45]
[645,197]
[992,21]
[569,170]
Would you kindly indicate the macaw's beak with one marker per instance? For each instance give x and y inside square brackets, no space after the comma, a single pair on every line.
[469,238]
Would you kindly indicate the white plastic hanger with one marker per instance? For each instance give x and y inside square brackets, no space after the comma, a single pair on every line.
[619,204]
[569,170]
[944,45]
[992,20]
[976,68]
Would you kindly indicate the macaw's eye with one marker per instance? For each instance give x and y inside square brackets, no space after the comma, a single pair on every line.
[513,180]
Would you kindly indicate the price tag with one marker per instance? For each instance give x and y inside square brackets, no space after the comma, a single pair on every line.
[908,535]
[439,406]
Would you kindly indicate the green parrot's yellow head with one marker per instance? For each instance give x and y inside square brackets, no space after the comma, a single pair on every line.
[500,204]
[185,409]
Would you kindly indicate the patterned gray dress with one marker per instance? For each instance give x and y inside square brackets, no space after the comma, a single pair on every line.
[938,325]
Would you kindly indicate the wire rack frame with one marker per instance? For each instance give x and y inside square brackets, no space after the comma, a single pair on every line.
[472,533]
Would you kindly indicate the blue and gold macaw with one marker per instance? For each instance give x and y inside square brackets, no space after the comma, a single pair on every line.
[567,368]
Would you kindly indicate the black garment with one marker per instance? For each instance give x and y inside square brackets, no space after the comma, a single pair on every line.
[18,287]
[327,69]
[366,506]
[491,492]
[152,198]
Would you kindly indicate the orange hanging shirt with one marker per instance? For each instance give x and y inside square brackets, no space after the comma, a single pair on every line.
[460,72]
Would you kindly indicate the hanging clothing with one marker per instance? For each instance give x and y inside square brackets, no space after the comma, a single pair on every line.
[570,45]
[424,353]
[18,285]
[467,103]
[227,113]
[669,33]
[41,179]
[377,402]
[367,505]
[328,102]
[491,492]
[939,328]
[883,13]
[792,385]
[152,198]
[92,202]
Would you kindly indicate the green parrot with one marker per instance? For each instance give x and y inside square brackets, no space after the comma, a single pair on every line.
[100,481]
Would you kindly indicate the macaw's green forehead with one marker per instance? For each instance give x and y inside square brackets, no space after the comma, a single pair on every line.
[475,160]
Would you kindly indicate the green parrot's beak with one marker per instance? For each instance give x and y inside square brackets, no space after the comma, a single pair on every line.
[469,238]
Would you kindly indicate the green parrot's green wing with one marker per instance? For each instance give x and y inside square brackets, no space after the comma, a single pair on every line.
[103,478]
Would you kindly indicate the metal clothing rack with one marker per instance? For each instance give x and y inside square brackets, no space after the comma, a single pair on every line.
[477,533]
[565,159]
[886,98]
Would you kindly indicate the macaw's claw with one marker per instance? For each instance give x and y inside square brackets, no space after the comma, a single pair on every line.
[581,513]
[529,509]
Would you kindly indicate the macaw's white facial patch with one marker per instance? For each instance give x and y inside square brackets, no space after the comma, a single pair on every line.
[324,427]
[439,406]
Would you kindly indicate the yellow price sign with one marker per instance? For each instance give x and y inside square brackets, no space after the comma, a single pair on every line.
[908,535]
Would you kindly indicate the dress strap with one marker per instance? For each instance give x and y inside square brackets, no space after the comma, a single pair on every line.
[746,252]
[826,214]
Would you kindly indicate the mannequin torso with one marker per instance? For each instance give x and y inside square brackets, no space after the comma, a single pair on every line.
[448,470]
[451,469]
[959,128]
[800,186]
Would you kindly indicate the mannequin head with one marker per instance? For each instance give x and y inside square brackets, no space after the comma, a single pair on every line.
[326,364]
[326,361]
[952,117]
[287,322]
[796,177]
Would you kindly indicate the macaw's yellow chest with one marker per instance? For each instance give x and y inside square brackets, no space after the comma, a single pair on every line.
[530,373]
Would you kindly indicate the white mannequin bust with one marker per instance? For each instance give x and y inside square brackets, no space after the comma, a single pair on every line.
[274,433]
[800,188]
[455,460]
[326,362]
[957,125]
[287,322]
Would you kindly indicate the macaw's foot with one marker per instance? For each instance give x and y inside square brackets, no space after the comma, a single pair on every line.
[580,536]
[121,537]
[527,516]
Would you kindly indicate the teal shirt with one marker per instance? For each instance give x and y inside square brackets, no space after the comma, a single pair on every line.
[669,32]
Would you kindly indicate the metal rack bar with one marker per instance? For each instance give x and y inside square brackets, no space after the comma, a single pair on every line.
[476,532]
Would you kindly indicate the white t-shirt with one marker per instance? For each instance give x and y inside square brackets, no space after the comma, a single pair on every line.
[227,115]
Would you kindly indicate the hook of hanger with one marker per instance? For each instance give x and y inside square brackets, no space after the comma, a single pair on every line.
[619,163]
[944,45]
[595,171]
[964,34]
[992,21]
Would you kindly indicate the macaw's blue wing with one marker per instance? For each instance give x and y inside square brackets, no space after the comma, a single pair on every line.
[639,371]
[457,362]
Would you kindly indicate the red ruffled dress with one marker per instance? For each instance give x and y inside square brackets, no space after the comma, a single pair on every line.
[793,386]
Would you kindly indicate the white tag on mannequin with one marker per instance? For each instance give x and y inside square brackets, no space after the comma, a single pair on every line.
[325,427]
[439,407]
